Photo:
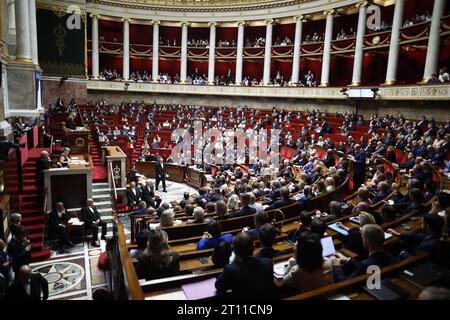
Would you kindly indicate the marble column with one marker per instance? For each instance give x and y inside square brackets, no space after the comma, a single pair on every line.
[33,32]
[394,47]
[23,39]
[212,52]
[434,41]
[359,46]
[240,53]
[155,56]
[126,49]
[268,51]
[95,51]
[184,53]
[324,79]
[297,49]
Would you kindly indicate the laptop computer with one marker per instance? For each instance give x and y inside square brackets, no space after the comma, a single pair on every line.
[388,291]
[423,275]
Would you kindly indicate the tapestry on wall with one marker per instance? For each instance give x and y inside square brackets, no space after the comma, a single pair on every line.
[61,42]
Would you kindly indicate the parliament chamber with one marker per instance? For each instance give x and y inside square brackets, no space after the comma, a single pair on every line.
[225,150]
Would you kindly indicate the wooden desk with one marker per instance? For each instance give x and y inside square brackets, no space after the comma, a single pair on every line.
[176,173]
[71,185]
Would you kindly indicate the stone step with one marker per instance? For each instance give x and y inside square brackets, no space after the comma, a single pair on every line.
[102,190]
[101,197]
[100,185]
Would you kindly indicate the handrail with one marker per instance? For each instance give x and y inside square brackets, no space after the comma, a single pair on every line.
[113,181]
[130,278]
[45,200]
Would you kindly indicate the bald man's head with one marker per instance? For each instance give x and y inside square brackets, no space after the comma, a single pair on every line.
[25,273]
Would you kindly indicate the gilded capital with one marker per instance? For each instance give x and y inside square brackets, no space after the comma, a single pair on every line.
[270,21]
[94,15]
[329,12]
[125,20]
[215,24]
[299,17]
[185,23]
[241,23]
[158,22]
[362,4]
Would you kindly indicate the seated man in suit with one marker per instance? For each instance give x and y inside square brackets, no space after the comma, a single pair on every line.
[28,286]
[245,208]
[260,219]
[267,236]
[284,201]
[133,195]
[148,195]
[248,276]
[383,191]
[58,219]
[141,210]
[373,240]
[92,220]
[427,240]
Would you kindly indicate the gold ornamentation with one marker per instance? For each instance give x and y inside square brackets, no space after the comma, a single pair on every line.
[60,33]
[79,142]
[376,40]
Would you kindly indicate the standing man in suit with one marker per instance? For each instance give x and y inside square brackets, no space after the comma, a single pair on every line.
[92,219]
[160,170]
[359,173]
[133,195]
[28,286]
[42,163]
[58,220]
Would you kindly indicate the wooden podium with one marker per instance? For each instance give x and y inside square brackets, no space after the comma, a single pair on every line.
[77,140]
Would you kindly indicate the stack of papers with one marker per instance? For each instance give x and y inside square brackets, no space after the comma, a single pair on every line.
[75,222]
[78,162]
[278,269]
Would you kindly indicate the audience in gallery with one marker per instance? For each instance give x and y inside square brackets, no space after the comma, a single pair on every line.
[426,140]
[417,19]
[342,35]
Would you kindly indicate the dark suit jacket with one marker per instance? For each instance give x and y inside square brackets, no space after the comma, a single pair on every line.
[278,204]
[55,220]
[243,212]
[18,254]
[41,165]
[38,285]
[133,197]
[356,268]
[251,278]
[147,195]
[89,216]
[379,196]
[360,163]
[160,171]
[70,124]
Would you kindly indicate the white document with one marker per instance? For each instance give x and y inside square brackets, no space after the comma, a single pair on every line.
[327,247]
[278,269]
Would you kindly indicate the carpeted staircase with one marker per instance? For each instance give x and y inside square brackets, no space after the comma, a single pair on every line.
[99,173]
[33,218]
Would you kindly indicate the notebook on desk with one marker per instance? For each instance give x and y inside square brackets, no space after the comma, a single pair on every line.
[200,290]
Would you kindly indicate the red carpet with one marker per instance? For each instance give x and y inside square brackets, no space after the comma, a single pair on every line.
[99,174]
